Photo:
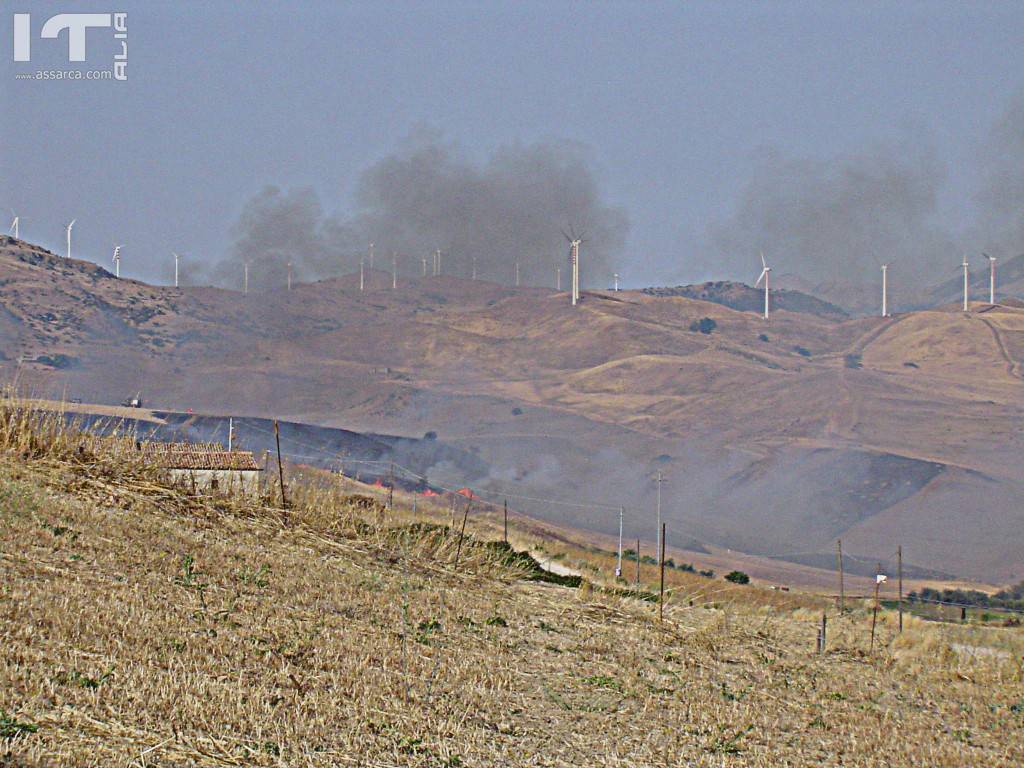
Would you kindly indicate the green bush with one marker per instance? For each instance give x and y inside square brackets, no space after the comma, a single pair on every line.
[737,577]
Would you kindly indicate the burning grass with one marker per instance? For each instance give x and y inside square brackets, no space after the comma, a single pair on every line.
[143,624]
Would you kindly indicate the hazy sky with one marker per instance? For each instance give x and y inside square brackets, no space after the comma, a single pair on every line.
[674,102]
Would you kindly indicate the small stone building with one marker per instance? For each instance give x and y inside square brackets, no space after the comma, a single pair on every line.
[207,466]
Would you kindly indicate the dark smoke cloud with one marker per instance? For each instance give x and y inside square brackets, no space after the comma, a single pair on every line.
[513,207]
[1001,197]
[834,221]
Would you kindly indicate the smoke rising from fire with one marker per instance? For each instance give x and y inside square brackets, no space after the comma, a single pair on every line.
[1001,196]
[837,220]
[514,207]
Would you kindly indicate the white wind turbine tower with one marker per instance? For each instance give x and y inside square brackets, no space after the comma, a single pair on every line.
[289,274]
[117,261]
[176,258]
[574,262]
[966,278]
[371,257]
[517,274]
[616,276]
[68,233]
[473,259]
[424,266]
[245,277]
[361,279]
[885,290]
[558,278]
[764,276]
[394,270]
[991,278]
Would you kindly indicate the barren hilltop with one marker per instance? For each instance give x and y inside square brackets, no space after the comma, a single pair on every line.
[776,437]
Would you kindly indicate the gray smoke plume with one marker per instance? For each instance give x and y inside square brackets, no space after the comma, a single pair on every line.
[1001,197]
[834,221]
[514,207]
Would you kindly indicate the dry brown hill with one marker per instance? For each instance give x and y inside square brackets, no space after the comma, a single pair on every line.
[775,438]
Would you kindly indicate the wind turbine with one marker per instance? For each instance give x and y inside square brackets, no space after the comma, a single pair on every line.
[245,277]
[966,277]
[558,278]
[361,280]
[517,274]
[371,257]
[394,270]
[473,259]
[991,278]
[764,276]
[117,261]
[885,290]
[616,276]
[14,225]
[574,261]
[176,257]
[289,274]
[68,232]
[424,266]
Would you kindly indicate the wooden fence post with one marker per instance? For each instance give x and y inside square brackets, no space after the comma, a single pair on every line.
[462,532]
[280,466]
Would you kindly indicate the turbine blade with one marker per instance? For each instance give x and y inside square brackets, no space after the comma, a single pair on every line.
[763,262]
[761,276]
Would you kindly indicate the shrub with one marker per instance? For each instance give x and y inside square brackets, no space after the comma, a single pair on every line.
[763,337]
[737,577]
[852,361]
[804,351]
[704,325]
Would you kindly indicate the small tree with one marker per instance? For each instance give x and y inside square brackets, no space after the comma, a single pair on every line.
[737,577]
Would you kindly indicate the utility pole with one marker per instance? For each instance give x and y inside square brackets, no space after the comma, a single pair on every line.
[659,479]
[899,578]
[839,562]
[874,613]
[618,560]
[661,566]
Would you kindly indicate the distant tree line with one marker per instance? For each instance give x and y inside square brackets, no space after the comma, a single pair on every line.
[1011,598]
[630,554]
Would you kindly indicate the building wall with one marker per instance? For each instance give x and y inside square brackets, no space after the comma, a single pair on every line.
[246,481]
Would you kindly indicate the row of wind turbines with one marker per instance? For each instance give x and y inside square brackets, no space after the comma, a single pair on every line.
[766,270]
[574,245]
[574,261]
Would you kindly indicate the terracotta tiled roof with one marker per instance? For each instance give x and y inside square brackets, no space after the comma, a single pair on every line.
[198,456]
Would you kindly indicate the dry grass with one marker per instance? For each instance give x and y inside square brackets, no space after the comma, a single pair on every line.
[146,626]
